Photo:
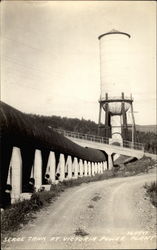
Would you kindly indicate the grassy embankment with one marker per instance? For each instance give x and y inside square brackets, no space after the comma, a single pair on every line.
[151,191]
[21,212]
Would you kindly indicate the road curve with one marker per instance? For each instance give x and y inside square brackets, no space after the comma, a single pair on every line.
[114,214]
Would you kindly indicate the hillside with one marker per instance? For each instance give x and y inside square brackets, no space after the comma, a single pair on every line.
[147,128]
[82,125]
[33,124]
[144,134]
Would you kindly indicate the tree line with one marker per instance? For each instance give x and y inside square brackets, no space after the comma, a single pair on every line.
[149,139]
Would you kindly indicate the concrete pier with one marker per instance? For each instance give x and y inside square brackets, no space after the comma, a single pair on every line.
[38,169]
[93,169]
[81,167]
[16,169]
[104,165]
[89,168]
[110,162]
[52,166]
[75,165]
[69,167]
[62,167]
[85,168]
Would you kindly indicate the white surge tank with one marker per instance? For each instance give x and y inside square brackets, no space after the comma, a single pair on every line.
[114,67]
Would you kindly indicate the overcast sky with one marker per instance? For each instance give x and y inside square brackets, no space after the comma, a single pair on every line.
[50,55]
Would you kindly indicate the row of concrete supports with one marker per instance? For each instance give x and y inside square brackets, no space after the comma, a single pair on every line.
[67,168]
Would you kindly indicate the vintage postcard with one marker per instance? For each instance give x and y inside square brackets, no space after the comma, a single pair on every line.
[78,125]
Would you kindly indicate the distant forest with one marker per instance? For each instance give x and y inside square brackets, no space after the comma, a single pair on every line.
[149,139]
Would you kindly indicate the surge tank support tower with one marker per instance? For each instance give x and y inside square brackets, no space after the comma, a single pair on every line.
[115,99]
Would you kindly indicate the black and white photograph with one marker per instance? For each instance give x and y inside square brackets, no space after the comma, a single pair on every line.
[78,131]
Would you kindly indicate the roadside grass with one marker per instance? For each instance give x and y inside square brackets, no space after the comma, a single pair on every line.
[142,165]
[21,212]
[151,191]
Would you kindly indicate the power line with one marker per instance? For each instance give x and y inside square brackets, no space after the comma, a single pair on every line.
[24,44]
[22,85]
[21,64]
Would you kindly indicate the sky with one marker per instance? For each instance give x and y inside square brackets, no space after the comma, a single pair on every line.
[51,60]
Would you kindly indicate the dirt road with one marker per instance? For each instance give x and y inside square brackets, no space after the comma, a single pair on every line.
[109,214]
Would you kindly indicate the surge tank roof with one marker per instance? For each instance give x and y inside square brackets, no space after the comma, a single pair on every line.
[113,31]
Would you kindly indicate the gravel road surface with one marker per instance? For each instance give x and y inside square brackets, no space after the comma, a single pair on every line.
[109,214]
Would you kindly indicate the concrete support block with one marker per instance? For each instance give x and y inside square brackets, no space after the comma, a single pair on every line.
[62,167]
[32,172]
[105,165]
[85,168]
[66,169]
[38,169]
[16,166]
[93,169]
[89,168]
[9,179]
[81,167]
[115,156]
[51,165]
[69,167]
[96,167]
[75,167]
[110,162]
[99,168]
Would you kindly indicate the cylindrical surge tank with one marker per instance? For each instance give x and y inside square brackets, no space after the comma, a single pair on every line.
[114,68]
